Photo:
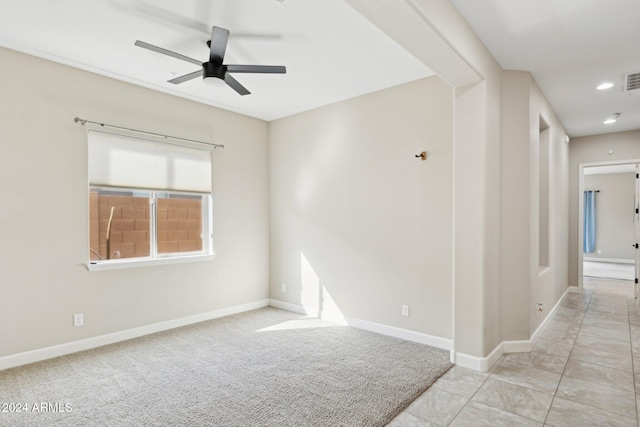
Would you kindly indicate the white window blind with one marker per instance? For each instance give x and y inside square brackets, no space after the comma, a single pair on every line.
[128,162]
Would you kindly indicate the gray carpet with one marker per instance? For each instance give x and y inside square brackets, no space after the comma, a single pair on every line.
[266,367]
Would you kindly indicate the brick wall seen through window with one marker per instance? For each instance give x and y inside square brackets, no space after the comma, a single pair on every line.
[179,225]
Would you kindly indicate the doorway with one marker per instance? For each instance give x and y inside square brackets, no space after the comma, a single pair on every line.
[609,197]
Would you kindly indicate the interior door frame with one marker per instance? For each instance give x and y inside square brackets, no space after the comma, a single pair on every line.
[581,167]
[636,219]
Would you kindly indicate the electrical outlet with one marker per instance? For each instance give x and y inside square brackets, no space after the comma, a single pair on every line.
[78,319]
[405,310]
[283,287]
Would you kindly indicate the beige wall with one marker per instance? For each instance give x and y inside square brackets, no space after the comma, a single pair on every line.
[615,226]
[359,225]
[45,233]
[477,177]
[487,294]
[548,285]
[586,150]
[524,282]
[358,261]
[516,201]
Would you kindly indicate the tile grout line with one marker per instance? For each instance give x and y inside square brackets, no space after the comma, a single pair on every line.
[606,366]
[581,316]
[497,379]
[474,393]
[567,362]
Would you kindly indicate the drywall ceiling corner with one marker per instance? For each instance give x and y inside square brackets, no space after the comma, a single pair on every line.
[409,25]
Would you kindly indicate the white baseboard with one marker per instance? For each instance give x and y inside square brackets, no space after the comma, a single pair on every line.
[612,260]
[480,364]
[32,356]
[547,319]
[392,331]
[405,334]
[295,308]
[483,364]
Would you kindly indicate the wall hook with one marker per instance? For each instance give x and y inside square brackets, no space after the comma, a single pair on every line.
[422,155]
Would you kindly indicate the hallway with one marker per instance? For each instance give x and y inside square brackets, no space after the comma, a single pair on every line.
[581,372]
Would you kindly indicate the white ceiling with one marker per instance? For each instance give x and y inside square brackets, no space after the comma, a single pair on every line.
[570,46]
[331,52]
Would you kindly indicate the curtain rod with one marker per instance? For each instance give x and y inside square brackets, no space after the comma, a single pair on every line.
[84,122]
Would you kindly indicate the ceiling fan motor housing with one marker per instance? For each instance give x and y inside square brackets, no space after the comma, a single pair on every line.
[210,69]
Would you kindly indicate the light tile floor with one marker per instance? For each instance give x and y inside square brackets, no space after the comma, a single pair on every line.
[581,372]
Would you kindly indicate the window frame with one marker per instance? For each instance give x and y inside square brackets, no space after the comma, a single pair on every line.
[155,258]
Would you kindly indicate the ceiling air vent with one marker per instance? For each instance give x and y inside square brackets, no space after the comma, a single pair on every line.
[631,82]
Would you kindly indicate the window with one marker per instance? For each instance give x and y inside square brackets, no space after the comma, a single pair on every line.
[148,200]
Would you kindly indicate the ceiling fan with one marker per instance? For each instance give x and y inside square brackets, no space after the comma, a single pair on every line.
[214,69]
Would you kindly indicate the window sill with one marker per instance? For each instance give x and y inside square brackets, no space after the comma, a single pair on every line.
[116,265]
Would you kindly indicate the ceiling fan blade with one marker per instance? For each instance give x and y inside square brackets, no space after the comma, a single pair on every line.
[186,77]
[219,39]
[166,52]
[235,85]
[271,69]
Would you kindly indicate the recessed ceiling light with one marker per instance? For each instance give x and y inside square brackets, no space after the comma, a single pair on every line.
[604,86]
